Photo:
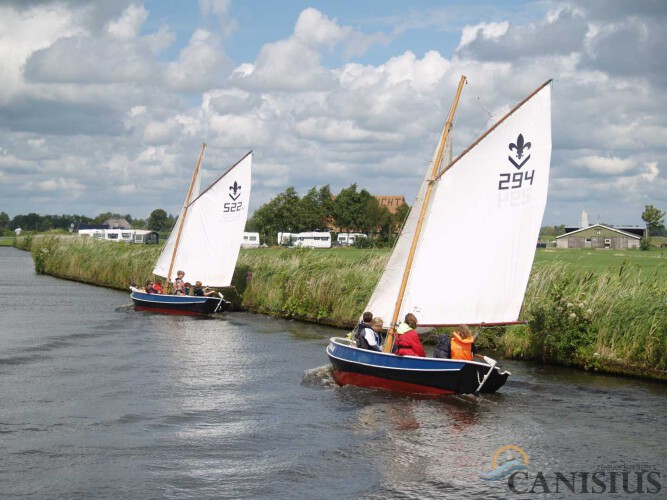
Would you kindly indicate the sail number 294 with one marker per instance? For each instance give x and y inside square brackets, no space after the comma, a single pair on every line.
[233,207]
[515,180]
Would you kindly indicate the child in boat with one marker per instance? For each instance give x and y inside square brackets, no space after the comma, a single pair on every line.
[442,347]
[149,288]
[179,284]
[365,322]
[199,291]
[407,341]
[157,286]
[369,337]
[462,345]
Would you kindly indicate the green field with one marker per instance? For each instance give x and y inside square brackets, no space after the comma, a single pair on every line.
[602,260]
[596,261]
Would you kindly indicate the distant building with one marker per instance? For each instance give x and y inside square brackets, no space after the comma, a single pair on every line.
[600,236]
[583,220]
[391,202]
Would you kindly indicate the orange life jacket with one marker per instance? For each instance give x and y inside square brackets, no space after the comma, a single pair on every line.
[461,348]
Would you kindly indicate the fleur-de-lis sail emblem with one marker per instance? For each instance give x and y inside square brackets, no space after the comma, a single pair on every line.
[519,146]
[235,191]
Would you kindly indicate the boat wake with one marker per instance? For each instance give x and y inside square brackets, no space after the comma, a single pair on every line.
[318,377]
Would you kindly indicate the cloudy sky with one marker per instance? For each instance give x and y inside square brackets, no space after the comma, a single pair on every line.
[104,104]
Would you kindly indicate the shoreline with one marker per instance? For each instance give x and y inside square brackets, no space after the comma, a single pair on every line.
[563,329]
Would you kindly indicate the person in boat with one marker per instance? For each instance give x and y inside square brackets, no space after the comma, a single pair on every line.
[407,341]
[462,345]
[178,282]
[369,337]
[150,288]
[200,291]
[157,286]
[186,288]
[442,347]
[365,322]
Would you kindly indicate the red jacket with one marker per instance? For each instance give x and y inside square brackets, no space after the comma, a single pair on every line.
[408,344]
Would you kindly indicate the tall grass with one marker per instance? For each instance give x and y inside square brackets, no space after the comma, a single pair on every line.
[316,285]
[596,321]
[104,263]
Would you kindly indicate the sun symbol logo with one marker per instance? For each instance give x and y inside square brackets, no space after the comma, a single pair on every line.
[518,461]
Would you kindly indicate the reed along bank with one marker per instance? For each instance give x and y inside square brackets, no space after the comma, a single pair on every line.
[603,311]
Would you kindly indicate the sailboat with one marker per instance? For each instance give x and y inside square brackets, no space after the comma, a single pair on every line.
[204,243]
[464,255]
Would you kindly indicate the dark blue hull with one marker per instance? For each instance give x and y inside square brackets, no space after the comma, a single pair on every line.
[186,305]
[363,368]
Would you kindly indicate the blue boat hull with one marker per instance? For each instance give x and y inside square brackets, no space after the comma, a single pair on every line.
[363,368]
[185,305]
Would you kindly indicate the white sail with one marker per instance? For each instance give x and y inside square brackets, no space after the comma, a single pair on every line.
[383,299]
[213,230]
[168,250]
[477,244]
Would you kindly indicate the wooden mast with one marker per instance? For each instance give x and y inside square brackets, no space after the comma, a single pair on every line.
[434,170]
[165,290]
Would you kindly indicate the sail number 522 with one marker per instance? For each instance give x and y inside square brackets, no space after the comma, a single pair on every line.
[233,207]
[515,180]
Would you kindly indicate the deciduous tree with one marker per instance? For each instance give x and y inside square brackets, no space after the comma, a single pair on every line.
[159,220]
[654,220]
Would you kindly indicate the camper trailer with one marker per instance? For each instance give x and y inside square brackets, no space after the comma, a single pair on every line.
[348,239]
[96,234]
[147,237]
[285,239]
[250,240]
[312,239]
[309,239]
[124,235]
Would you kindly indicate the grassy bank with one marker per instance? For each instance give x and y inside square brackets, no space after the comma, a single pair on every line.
[603,311]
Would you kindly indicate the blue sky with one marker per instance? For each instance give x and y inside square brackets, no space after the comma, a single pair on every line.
[105,104]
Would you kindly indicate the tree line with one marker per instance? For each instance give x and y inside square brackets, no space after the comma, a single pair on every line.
[159,221]
[352,210]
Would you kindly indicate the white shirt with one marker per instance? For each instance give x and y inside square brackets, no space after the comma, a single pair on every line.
[371,337]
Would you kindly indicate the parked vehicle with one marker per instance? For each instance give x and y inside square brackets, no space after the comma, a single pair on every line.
[348,239]
[250,240]
[309,239]
[124,235]
[144,236]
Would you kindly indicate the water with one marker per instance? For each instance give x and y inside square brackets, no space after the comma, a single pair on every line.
[100,401]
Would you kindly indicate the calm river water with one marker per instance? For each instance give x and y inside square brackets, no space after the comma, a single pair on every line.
[100,401]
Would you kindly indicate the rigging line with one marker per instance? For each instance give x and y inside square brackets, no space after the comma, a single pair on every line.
[475,96]
[491,117]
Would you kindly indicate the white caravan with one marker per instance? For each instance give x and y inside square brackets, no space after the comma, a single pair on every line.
[250,240]
[124,235]
[348,239]
[310,239]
